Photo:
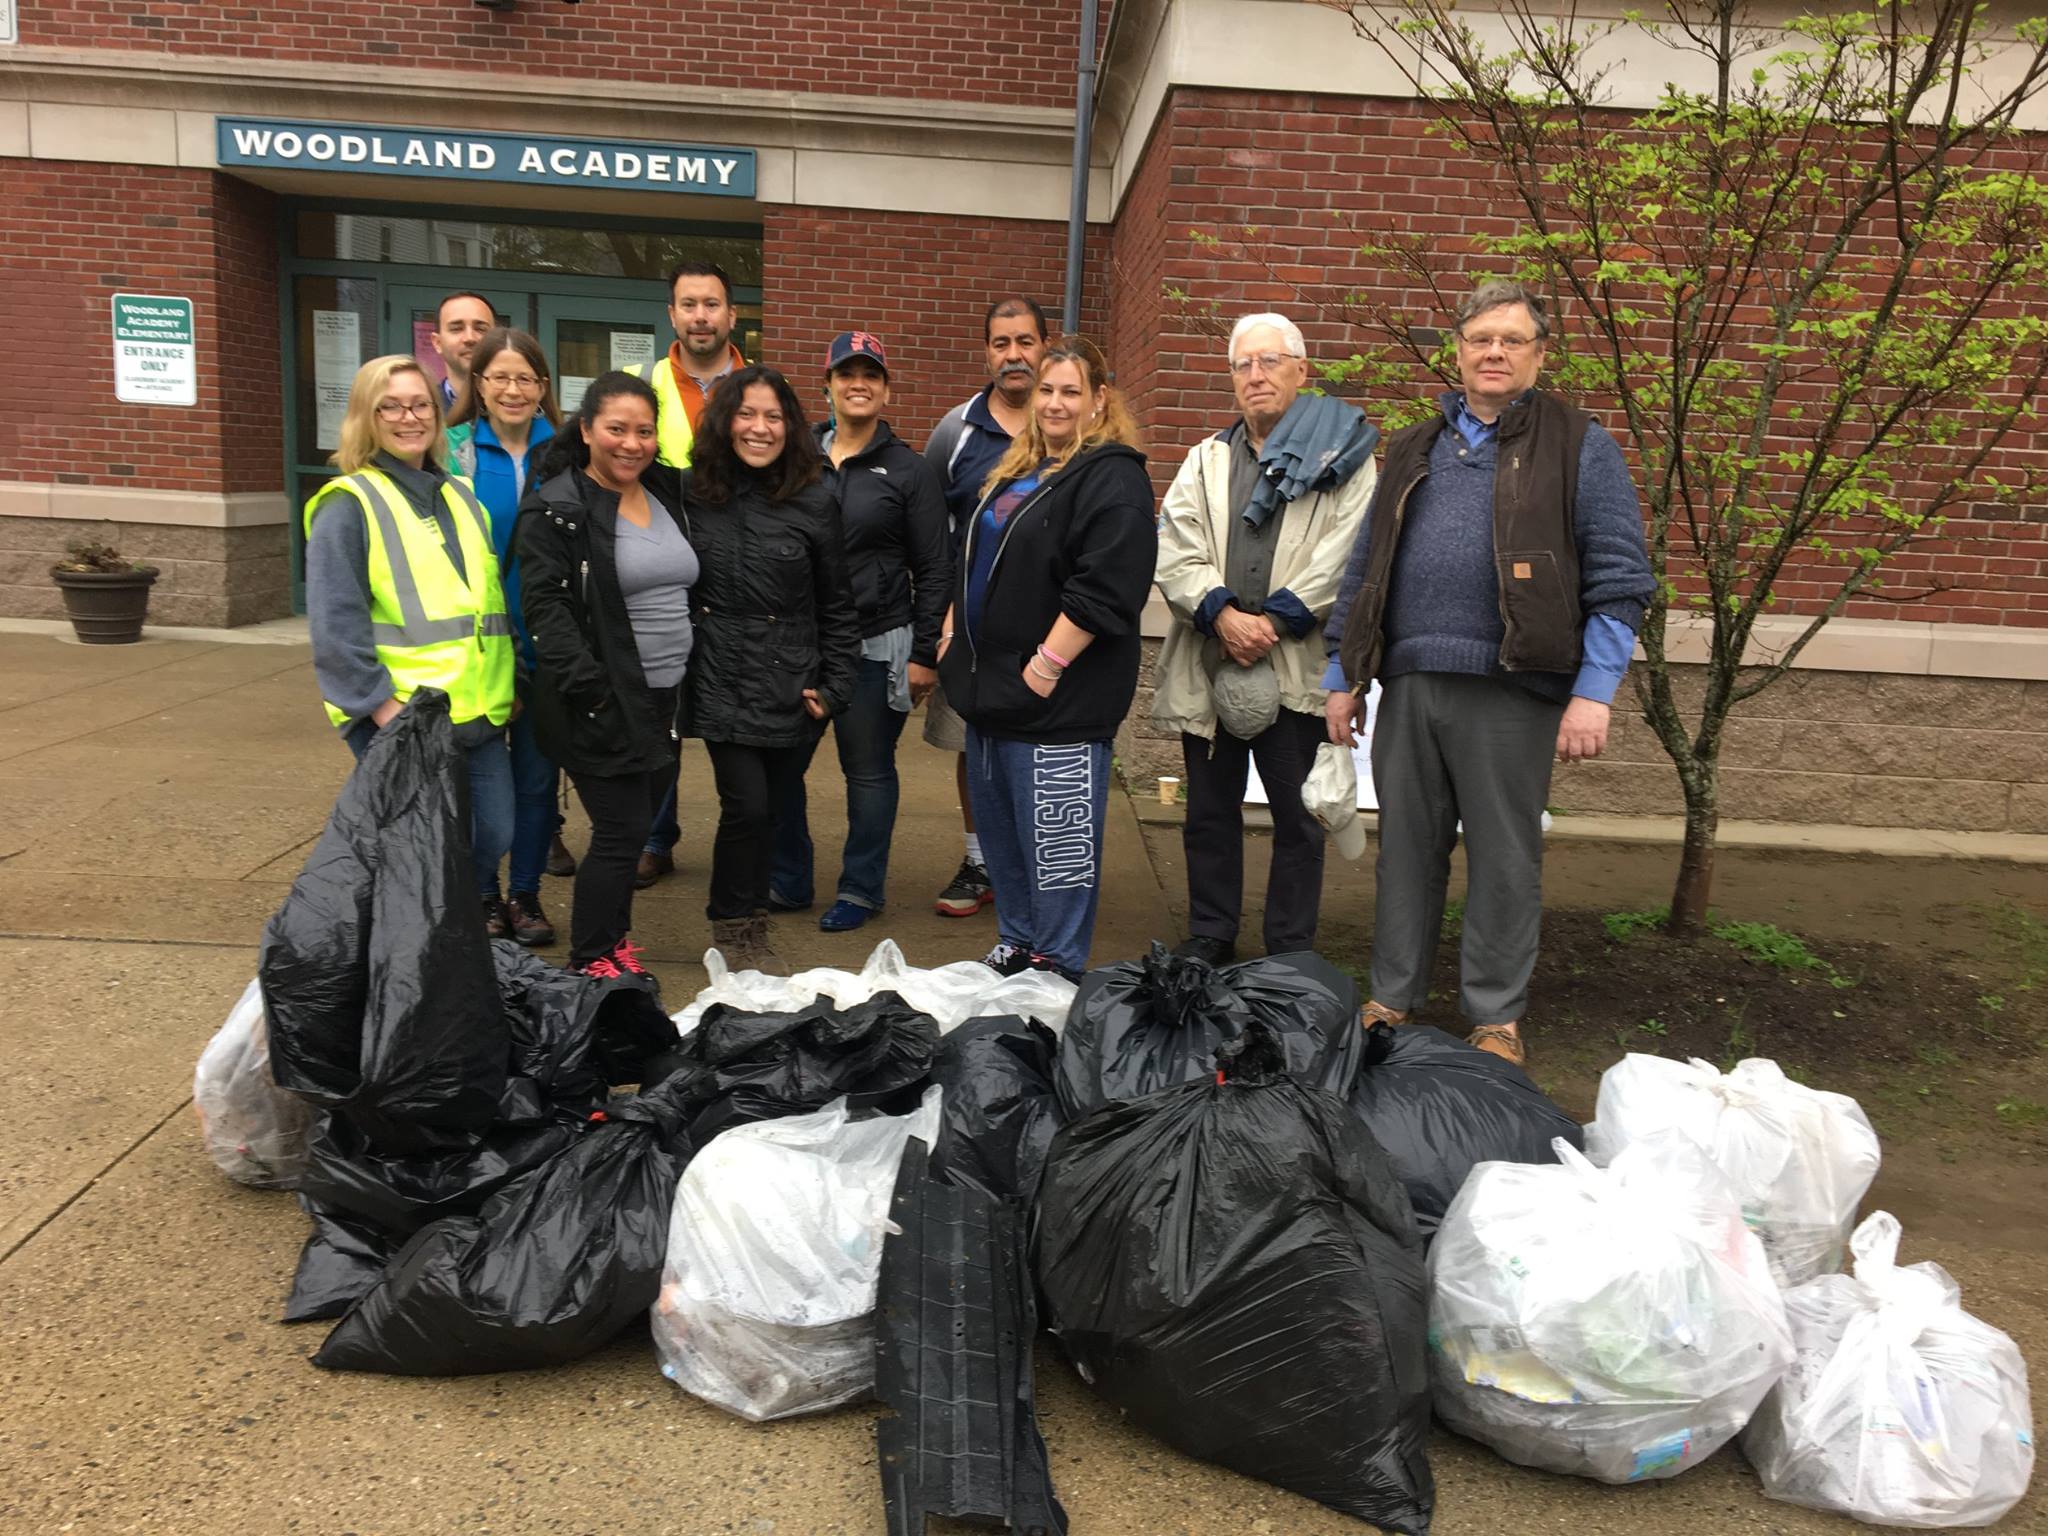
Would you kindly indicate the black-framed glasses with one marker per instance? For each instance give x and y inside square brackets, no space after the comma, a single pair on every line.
[398,410]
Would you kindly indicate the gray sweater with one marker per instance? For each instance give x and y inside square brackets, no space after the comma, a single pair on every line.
[338,598]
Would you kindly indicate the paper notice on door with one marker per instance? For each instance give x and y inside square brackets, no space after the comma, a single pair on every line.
[573,386]
[631,348]
[337,353]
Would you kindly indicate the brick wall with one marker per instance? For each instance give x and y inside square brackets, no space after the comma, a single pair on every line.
[1003,51]
[1311,175]
[77,234]
[921,282]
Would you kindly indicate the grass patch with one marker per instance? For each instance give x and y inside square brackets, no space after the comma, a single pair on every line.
[2021,1114]
[1623,926]
[1453,919]
[1770,945]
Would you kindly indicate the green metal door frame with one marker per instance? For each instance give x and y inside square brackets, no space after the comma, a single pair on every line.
[526,296]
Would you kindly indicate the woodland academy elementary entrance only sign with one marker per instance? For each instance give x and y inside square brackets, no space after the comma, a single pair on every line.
[156,350]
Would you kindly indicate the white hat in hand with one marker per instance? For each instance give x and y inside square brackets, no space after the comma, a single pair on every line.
[1330,794]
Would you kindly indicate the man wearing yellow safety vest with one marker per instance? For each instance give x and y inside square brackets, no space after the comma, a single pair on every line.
[403,593]
[700,308]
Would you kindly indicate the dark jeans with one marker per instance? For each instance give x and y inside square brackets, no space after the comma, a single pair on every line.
[490,801]
[866,735]
[534,817]
[619,808]
[1041,811]
[752,782]
[665,831]
[1212,837]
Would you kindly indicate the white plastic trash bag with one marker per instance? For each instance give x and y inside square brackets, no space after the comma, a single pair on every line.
[254,1131]
[951,994]
[1800,1160]
[1900,1408]
[1616,1323]
[774,1246]
[1330,794]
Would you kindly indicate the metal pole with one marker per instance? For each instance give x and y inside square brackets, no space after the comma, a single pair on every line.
[1077,216]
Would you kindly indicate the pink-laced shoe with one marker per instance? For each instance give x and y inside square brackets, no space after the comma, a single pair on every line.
[626,956]
[602,968]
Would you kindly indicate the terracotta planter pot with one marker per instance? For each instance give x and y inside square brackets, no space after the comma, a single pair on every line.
[107,607]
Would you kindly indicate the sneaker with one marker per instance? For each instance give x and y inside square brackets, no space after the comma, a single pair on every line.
[626,956]
[530,925]
[497,921]
[844,917]
[1053,967]
[561,862]
[1007,960]
[602,968]
[1206,949]
[652,867]
[968,894]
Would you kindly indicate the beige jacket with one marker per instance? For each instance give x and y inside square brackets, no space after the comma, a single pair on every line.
[1316,534]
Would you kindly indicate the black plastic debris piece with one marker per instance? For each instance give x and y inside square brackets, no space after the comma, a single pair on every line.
[1144,1025]
[955,1321]
[999,1113]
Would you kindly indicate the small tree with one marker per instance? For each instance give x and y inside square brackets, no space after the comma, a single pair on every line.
[1811,282]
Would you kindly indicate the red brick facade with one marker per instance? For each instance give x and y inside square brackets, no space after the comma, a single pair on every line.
[78,234]
[1003,51]
[919,281]
[1308,174]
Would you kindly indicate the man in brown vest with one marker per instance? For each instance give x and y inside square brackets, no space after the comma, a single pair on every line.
[1494,590]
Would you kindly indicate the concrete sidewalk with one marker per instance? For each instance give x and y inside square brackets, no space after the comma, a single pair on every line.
[161,799]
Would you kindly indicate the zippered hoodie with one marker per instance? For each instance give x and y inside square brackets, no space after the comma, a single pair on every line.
[1084,544]
[899,552]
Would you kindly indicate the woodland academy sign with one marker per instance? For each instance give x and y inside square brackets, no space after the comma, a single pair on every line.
[525,159]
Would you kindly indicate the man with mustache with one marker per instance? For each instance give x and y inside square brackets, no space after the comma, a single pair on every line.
[965,445]
[700,308]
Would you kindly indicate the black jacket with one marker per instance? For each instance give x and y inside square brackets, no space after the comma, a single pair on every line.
[1085,544]
[588,694]
[899,550]
[773,614]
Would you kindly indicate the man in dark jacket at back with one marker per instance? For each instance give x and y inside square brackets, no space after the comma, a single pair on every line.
[963,448]
[1494,590]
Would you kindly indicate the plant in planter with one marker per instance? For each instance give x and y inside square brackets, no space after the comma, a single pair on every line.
[105,594]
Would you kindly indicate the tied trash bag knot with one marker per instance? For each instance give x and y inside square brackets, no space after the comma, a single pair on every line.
[1253,1058]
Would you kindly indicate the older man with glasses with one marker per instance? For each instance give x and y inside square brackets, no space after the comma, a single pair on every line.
[1495,591]
[1252,538]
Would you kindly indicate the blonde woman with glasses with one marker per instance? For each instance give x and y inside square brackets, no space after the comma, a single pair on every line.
[503,420]
[403,593]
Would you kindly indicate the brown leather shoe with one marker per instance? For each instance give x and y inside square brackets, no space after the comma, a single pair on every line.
[561,862]
[530,925]
[497,921]
[652,867]
[1379,1013]
[1504,1040]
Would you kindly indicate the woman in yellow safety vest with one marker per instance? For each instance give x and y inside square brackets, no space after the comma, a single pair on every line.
[403,593]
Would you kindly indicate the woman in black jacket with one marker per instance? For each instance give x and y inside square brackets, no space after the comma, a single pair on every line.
[607,567]
[778,638]
[899,559]
[1040,652]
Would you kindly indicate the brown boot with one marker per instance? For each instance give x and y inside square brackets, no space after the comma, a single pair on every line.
[1504,1040]
[497,918]
[766,960]
[733,937]
[652,867]
[561,862]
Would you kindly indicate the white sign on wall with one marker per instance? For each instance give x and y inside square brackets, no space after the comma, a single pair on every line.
[10,31]
[337,353]
[156,350]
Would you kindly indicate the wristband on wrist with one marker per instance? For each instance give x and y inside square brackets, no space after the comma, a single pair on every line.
[1059,661]
[1047,673]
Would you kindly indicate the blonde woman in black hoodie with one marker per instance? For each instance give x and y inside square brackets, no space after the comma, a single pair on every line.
[1039,653]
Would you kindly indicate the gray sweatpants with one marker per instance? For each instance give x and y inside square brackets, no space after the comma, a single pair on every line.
[1446,748]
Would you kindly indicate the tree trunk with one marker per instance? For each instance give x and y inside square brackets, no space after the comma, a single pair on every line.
[1695,885]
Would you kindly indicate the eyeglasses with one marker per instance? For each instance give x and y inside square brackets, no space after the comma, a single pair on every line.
[511,381]
[1505,343]
[398,410]
[1268,362]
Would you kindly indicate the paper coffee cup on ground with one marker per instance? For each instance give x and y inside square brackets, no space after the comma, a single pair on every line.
[1169,790]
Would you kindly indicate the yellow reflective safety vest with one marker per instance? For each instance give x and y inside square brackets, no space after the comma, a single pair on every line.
[433,628]
[672,434]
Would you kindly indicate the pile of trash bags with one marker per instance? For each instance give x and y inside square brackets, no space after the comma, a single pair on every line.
[1274,1239]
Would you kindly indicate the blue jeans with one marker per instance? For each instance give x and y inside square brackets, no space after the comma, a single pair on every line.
[490,802]
[666,832]
[866,734]
[1040,812]
[534,817]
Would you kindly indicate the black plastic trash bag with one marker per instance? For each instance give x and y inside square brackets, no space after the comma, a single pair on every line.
[1144,1025]
[1441,1107]
[377,977]
[342,1257]
[998,1115]
[1234,1265]
[574,1035]
[760,1066]
[555,1265]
